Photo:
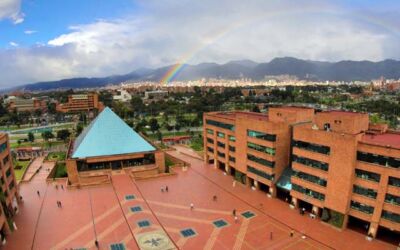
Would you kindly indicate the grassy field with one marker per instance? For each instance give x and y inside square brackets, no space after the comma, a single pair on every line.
[20,172]
[197,143]
[45,145]
[61,170]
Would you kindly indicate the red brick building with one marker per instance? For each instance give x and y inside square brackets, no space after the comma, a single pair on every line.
[335,164]
[81,103]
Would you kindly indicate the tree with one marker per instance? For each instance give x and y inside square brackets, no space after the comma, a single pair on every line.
[63,134]
[79,129]
[31,137]
[154,125]
[256,109]
[47,135]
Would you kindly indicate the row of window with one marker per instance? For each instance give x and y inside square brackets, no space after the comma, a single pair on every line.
[308,192]
[260,173]
[261,161]
[393,181]
[312,147]
[391,216]
[370,210]
[221,124]
[260,148]
[366,175]
[220,154]
[311,163]
[232,148]
[210,149]
[220,144]
[232,159]
[393,199]
[378,159]
[370,193]
[310,178]
[261,135]
[210,131]
[209,140]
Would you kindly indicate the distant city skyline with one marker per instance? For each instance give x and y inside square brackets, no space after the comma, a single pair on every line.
[48,40]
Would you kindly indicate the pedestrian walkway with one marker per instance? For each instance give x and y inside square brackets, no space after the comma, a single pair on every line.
[33,168]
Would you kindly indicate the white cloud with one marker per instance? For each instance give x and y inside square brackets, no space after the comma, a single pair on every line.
[11,9]
[30,32]
[14,44]
[207,30]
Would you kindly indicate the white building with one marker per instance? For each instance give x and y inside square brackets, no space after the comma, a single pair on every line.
[122,96]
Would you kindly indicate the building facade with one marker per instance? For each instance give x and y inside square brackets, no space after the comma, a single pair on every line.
[26,105]
[338,166]
[109,144]
[81,103]
[8,188]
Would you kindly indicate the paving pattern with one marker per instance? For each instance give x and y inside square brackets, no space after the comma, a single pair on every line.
[138,215]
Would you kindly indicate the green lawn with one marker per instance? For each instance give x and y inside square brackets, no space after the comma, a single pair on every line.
[36,144]
[20,172]
[197,143]
[56,156]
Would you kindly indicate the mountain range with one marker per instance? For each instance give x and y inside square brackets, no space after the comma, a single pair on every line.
[302,69]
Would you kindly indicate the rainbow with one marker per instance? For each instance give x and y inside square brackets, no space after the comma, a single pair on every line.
[175,69]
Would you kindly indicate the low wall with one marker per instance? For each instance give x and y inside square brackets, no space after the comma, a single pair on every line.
[177,161]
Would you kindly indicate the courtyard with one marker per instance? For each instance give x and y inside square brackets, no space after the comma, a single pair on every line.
[132,214]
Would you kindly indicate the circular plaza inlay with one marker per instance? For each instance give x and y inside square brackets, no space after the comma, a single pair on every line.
[153,241]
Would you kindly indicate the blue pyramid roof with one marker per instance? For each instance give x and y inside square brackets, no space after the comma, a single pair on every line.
[109,135]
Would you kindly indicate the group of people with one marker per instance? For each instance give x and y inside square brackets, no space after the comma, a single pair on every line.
[164,188]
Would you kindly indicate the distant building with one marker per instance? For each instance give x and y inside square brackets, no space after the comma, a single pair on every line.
[8,188]
[22,104]
[28,153]
[334,164]
[109,144]
[155,95]
[122,95]
[81,103]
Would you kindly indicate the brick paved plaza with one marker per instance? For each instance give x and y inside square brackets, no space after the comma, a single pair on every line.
[137,213]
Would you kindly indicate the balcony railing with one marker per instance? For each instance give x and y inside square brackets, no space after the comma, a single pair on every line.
[221,125]
[310,178]
[393,181]
[378,159]
[392,199]
[260,173]
[391,216]
[261,135]
[260,148]
[308,192]
[366,175]
[261,161]
[312,147]
[361,207]
[311,163]
[367,192]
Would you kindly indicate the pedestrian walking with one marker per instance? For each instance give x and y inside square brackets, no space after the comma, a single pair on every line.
[60,204]
[270,235]
[191,206]
[234,212]
[291,233]
[162,190]
[62,187]
[38,193]
[96,243]
[56,186]
[166,188]
[234,184]
[214,198]
[236,219]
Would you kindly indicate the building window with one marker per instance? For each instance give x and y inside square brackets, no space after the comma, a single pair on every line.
[366,175]
[370,193]
[310,178]
[221,135]
[210,131]
[308,192]
[361,207]
[209,140]
[393,181]
[261,135]
[3,147]
[260,148]
[378,159]
[232,138]
[260,173]
[220,144]
[232,148]
[209,149]
[221,154]
[312,147]
[8,173]
[391,216]
[221,125]
[311,163]
[232,159]
[392,199]
[261,161]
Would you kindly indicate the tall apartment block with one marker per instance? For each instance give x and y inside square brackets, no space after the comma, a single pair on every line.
[333,164]
[81,103]
[8,188]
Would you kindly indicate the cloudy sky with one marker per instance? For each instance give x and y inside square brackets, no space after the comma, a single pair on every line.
[43,40]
